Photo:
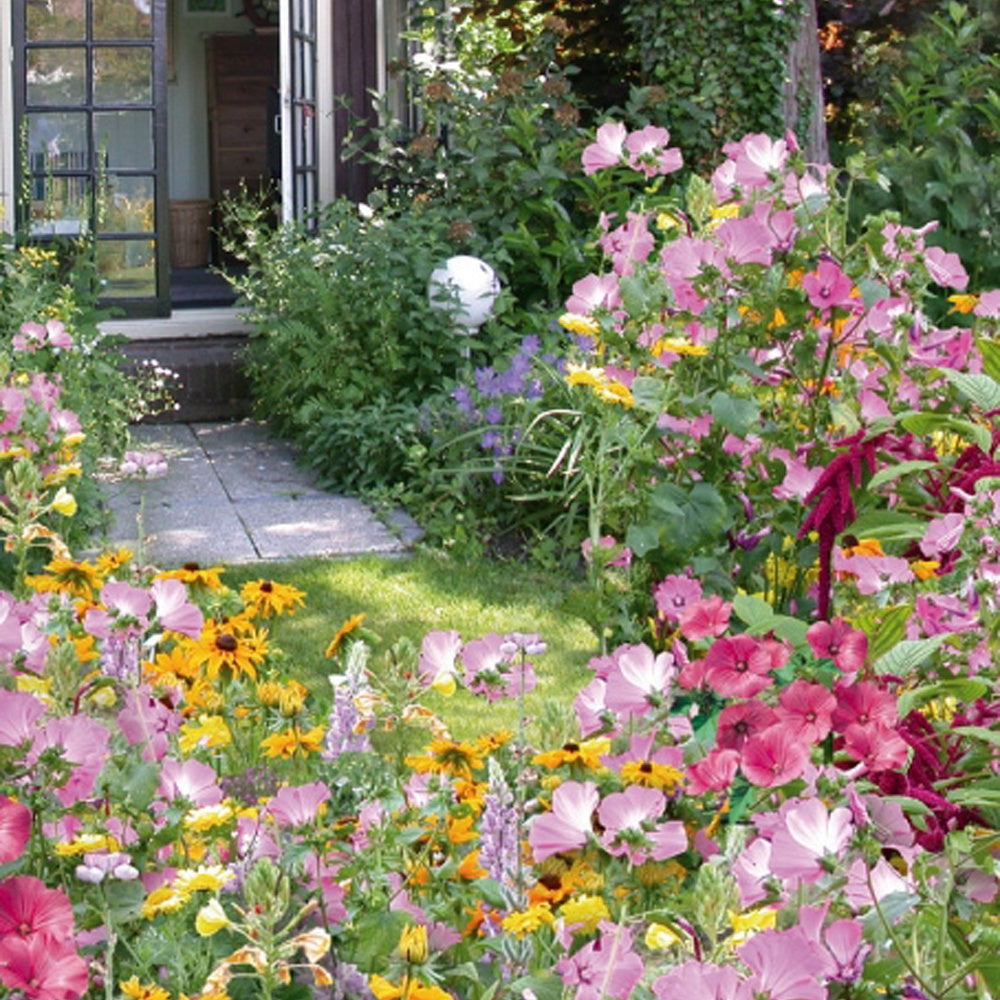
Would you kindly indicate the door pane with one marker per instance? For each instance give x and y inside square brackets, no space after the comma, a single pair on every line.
[125,138]
[56,76]
[123,75]
[127,268]
[60,206]
[122,19]
[51,20]
[127,206]
[57,140]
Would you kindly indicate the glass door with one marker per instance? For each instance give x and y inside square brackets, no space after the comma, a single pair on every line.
[90,100]
[299,174]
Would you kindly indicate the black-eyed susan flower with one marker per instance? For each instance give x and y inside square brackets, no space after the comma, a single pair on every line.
[143,991]
[450,757]
[233,645]
[294,742]
[195,576]
[76,577]
[586,753]
[265,598]
[352,623]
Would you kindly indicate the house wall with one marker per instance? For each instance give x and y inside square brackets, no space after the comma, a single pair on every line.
[6,125]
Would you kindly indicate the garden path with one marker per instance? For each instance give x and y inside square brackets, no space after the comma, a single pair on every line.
[232,494]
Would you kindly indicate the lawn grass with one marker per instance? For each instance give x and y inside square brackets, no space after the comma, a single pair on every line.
[403,598]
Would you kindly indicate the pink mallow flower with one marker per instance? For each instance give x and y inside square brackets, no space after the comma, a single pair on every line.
[774,757]
[568,825]
[705,619]
[42,968]
[173,609]
[298,805]
[714,772]
[807,709]
[696,980]
[648,152]
[828,288]
[786,965]
[631,830]
[846,646]
[15,828]
[639,680]
[809,840]
[190,780]
[607,967]
[607,149]
[29,909]
[438,652]
[738,666]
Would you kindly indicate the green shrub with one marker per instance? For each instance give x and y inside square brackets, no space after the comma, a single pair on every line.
[934,138]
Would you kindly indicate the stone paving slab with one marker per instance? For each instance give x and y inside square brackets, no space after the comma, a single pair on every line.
[234,494]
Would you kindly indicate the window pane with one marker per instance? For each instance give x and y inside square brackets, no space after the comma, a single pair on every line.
[123,76]
[60,206]
[127,206]
[125,138]
[56,76]
[127,268]
[57,140]
[47,20]
[122,19]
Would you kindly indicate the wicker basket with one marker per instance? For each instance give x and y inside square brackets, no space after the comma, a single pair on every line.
[189,233]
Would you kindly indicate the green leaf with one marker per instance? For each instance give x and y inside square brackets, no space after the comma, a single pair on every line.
[889,526]
[929,423]
[891,472]
[649,393]
[890,631]
[736,414]
[752,611]
[980,733]
[990,351]
[980,388]
[960,688]
[910,653]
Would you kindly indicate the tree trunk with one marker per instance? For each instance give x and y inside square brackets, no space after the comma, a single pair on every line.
[802,94]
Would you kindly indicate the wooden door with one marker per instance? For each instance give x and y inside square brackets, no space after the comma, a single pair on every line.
[242,79]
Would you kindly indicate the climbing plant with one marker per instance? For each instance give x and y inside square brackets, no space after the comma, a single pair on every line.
[716,69]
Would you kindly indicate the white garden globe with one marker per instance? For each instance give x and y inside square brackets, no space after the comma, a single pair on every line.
[466,288]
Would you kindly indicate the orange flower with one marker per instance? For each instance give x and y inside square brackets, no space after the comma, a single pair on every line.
[469,868]
[293,742]
[266,598]
[234,645]
[196,576]
[343,632]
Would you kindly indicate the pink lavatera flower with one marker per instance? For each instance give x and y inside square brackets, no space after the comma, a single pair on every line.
[29,909]
[863,703]
[674,594]
[85,745]
[146,720]
[649,153]
[738,666]
[774,757]
[785,965]
[836,640]
[298,805]
[19,712]
[696,980]
[879,748]
[988,305]
[945,268]
[174,611]
[607,150]
[631,829]
[15,828]
[568,825]
[810,839]
[739,721]
[190,780]
[589,705]
[639,680]
[42,968]
[714,772]
[606,967]
[705,619]
[807,710]
[438,653]
[592,293]
[829,288]
[752,871]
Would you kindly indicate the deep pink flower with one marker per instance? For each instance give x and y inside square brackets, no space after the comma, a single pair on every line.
[863,703]
[846,646]
[799,479]
[298,805]
[674,594]
[639,680]
[809,837]
[630,827]
[774,757]
[607,150]
[807,708]
[714,772]
[738,666]
[28,908]
[43,969]
[15,828]
[740,721]
[607,967]
[705,619]
[879,748]
[568,825]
